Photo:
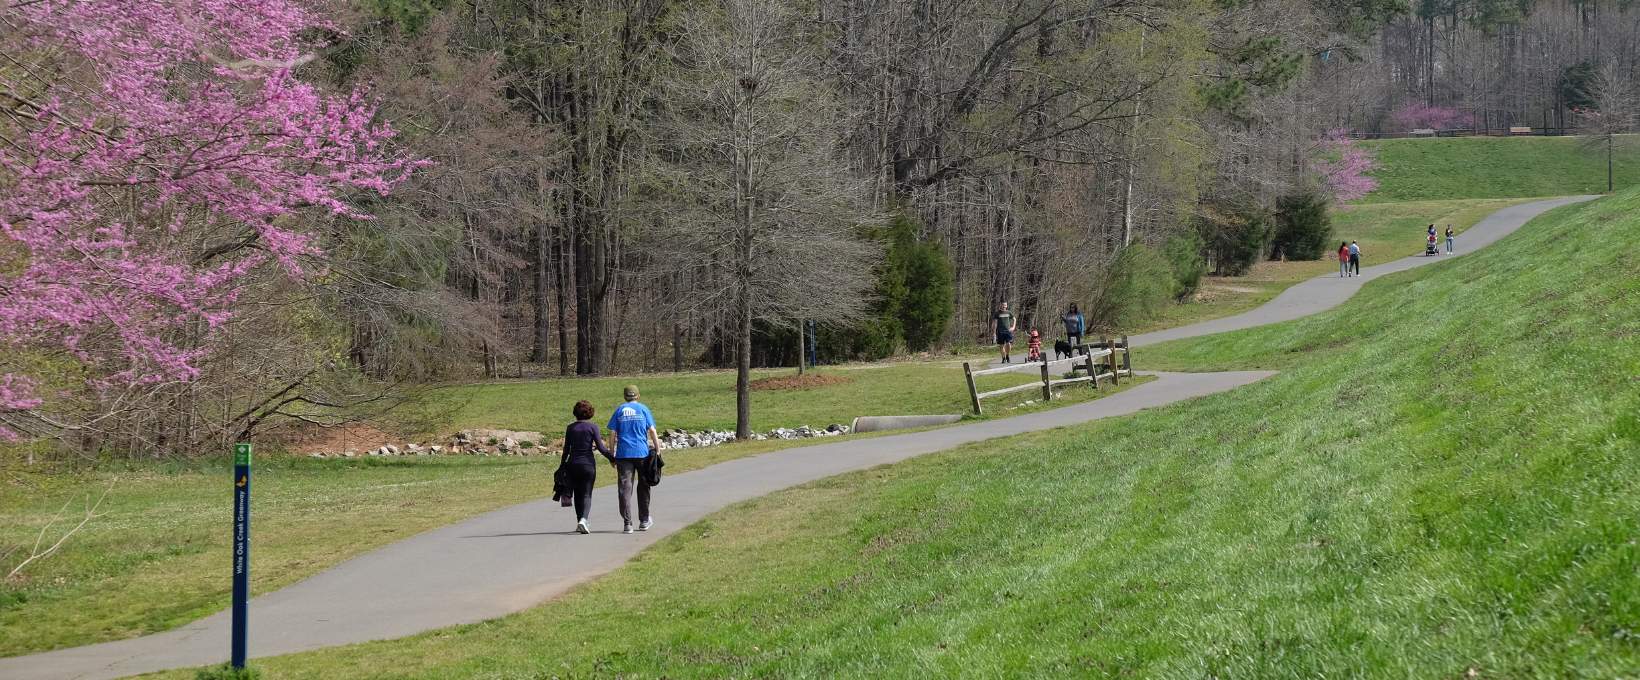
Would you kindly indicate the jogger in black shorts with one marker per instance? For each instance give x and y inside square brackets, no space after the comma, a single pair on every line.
[1003,324]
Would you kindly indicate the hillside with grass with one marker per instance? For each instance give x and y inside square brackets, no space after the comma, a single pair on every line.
[1428,169]
[1443,482]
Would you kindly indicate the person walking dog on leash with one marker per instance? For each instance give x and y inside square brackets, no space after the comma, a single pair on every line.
[1075,325]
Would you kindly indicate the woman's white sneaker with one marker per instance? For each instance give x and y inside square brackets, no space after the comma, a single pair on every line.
[581,527]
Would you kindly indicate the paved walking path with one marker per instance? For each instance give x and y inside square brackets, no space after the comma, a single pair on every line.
[1328,291]
[510,559]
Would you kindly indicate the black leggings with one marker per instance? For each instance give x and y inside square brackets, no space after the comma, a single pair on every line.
[581,477]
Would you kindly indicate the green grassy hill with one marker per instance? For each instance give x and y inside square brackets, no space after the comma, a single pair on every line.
[1443,482]
[1496,167]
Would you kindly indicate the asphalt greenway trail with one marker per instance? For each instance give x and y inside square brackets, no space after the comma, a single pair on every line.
[511,559]
[1325,292]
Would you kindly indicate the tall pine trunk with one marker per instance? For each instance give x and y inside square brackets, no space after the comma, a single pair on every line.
[743,264]
[562,280]
[590,292]
[542,281]
[743,361]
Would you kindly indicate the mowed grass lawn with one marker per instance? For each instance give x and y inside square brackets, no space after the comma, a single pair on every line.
[1386,231]
[706,399]
[1443,483]
[1497,167]
[157,555]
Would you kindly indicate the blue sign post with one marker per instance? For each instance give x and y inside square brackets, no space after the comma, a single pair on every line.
[241,547]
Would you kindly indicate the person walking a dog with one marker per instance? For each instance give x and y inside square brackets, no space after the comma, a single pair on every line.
[1003,325]
[1075,325]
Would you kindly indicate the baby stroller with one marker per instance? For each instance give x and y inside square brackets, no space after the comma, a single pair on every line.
[1429,246]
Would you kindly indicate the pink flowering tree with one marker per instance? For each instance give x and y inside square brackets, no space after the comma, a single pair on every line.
[153,153]
[1343,166]
[1416,116]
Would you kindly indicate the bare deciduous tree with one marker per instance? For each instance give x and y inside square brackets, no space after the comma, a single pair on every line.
[753,180]
[1613,115]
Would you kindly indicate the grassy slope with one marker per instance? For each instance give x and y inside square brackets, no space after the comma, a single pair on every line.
[1445,482]
[1494,167]
[154,558]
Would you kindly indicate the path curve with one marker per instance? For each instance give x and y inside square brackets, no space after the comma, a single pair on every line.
[511,559]
[1328,291]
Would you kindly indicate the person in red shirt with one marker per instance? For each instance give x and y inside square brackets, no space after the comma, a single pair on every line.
[1035,346]
[1343,259]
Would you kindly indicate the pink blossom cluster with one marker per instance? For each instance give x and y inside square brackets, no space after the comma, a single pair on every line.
[140,130]
[1344,166]
[1415,116]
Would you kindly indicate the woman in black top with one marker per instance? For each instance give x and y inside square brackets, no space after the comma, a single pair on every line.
[580,439]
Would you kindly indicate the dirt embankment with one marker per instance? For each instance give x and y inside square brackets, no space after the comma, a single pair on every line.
[798,382]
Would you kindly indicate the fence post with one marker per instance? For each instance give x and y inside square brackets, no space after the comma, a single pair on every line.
[973,394]
[1047,389]
[1127,356]
[1115,376]
[1093,371]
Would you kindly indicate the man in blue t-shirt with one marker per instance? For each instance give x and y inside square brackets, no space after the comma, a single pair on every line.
[632,431]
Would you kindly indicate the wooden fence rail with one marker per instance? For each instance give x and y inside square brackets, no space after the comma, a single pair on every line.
[1098,360]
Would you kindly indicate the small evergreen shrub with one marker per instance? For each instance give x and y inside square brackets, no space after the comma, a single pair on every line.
[1184,256]
[1236,239]
[1303,227]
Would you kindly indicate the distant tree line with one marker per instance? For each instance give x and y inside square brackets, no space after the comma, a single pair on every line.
[1450,64]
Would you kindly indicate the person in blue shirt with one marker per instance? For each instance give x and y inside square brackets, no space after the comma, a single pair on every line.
[632,430]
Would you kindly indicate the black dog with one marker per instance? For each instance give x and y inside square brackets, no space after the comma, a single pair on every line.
[1061,348]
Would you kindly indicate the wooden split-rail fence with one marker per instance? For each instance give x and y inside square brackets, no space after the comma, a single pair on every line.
[1090,362]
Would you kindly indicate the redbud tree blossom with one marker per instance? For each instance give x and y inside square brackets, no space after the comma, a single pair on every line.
[127,124]
[1343,166]
[1415,116]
